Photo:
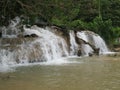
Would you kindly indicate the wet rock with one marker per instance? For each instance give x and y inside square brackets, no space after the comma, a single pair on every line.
[96,51]
[115,54]
[27,36]
[90,54]
[0,32]
[32,35]
[79,53]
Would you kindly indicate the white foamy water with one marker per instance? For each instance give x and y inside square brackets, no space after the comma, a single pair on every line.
[100,43]
[82,35]
[94,40]
[11,30]
[47,48]
[73,44]
[86,49]
[53,46]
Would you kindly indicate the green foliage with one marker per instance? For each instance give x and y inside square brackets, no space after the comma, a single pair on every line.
[110,9]
[103,28]
[88,10]
[116,31]
[57,21]
[77,24]
[100,16]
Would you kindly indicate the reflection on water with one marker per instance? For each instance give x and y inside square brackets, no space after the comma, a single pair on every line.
[96,73]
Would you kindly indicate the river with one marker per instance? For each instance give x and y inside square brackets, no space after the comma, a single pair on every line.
[88,73]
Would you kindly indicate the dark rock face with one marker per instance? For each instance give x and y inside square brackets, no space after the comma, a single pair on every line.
[79,53]
[90,54]
[32,35]
[0,32]
[27,36]
[96,51]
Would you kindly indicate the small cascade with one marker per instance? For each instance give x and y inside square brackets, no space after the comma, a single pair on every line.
[93,39]
[37,44]
[73,44]
[53,46]
[11,30]
[100,43]
[45,47]
[82,35]
[86,49]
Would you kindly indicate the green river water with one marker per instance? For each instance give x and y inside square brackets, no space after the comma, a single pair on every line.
[89,73]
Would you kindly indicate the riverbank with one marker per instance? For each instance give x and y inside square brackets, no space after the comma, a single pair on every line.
[116,47]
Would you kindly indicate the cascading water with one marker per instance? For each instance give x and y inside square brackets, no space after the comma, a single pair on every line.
[94,40]
[82,35]
[86,49]
[100,43]
[37,44]
[73,44]
[11,31]
[47,46]
[53,46]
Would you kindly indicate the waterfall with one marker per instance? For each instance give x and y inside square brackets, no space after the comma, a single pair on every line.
[82,35]
[47,46]
[11,30]
[86,49]
[100,43]
[73,44]
[37,44]
[93,39]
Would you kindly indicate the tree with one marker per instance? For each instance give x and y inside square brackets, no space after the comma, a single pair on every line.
[111,10]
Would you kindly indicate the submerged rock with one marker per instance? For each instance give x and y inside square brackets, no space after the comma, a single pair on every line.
[114,54]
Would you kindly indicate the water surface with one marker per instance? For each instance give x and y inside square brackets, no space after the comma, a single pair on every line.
[90,73]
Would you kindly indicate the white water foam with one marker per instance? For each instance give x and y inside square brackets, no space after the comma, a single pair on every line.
[48,47]
[96,40]
[53,46]
[100,43]
[12,30]
[86,49]
[73,44]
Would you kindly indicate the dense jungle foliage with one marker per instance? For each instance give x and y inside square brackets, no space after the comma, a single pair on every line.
[100,16]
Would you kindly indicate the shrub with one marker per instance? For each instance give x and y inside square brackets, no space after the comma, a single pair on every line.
[103,28]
